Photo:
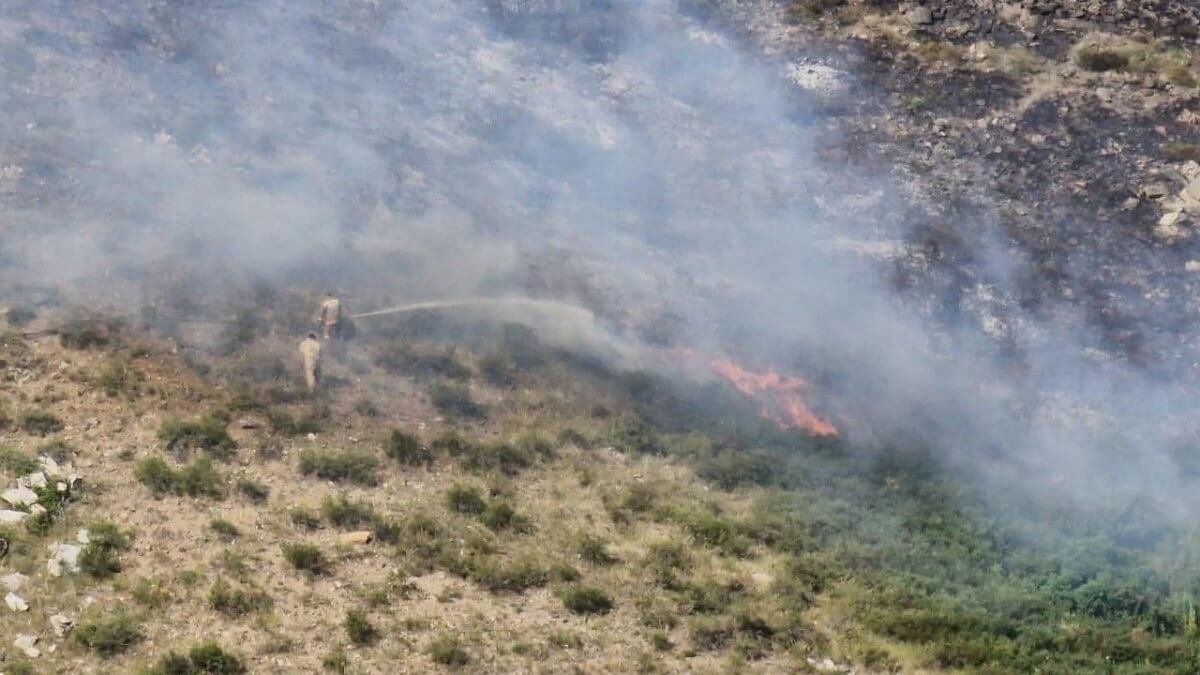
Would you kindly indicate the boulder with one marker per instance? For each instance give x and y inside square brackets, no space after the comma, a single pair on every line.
[920,16]
[61,624]
[356,538]
[16,603]
[26,644]
[64,559]
[12,517]
[19,496]
[13,582]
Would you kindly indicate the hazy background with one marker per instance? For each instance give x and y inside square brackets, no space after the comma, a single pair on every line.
[615,155]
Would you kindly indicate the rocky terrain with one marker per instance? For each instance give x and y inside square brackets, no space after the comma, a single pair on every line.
[1069,126]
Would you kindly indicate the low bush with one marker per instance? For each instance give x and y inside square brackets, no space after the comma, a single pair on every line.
[38,423]
[402,358]
[499,576]
[99,558]
[500,515]
[341,511]
[109,636]
[594,550]
[255,492]
[407,449]
[466,500]
[498,370]
[235,602]
[198,479]
[586,600]
[1098,59]
[349,466]
[504,458]
[20,316]
[16,463]
[305,519]
[359,628]
[87,333]
[224,529]
[206,658]
[307,558]
[454,401]
[448,651]
[282,422]
[206,434]
[120,378]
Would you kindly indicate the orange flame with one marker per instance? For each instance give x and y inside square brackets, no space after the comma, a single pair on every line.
[782,397]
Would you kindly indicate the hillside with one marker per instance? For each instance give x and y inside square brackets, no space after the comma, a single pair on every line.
[529,510]
[847,336]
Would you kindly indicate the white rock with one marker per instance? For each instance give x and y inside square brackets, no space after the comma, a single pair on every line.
[37,510]
[83,536]
[37,479]
[19,496]
[12,517]
[64,558]
[62,624]
[16,603]
[13,582]
[26,643]
[49,466]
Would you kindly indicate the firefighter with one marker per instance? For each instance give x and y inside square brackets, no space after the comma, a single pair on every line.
[310,350]
[329,316]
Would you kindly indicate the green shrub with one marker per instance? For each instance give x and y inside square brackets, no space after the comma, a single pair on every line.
[503,458]
[454,401]
[283,423]
[402,358]
[1099,59]
[465,499]
[730,469]
[497,576]
[666,560]
[305,519]
[448,651]
[16,463]
[594,550]
[711,633]
[224,529]
[20,316]
[345,465]
[236,602]
[255,492]
[336,661]
[39,423]
[366,408]
[498,370]
[110,635]
[99,558]
[586,600]
[565,640]
[58,450]
[407,449]
[499,515]
[307,558]
[87,333]
[359,628]
[634,437]
[120,378]
[206,434]
[206,658]
[341,511]
[198,479]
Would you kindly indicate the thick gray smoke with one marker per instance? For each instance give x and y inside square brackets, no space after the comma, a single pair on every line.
[612,154]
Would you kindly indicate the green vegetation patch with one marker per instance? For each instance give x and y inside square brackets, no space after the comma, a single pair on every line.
[350,466]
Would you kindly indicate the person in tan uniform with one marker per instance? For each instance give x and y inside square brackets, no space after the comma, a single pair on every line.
[330,315]
[310,350]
